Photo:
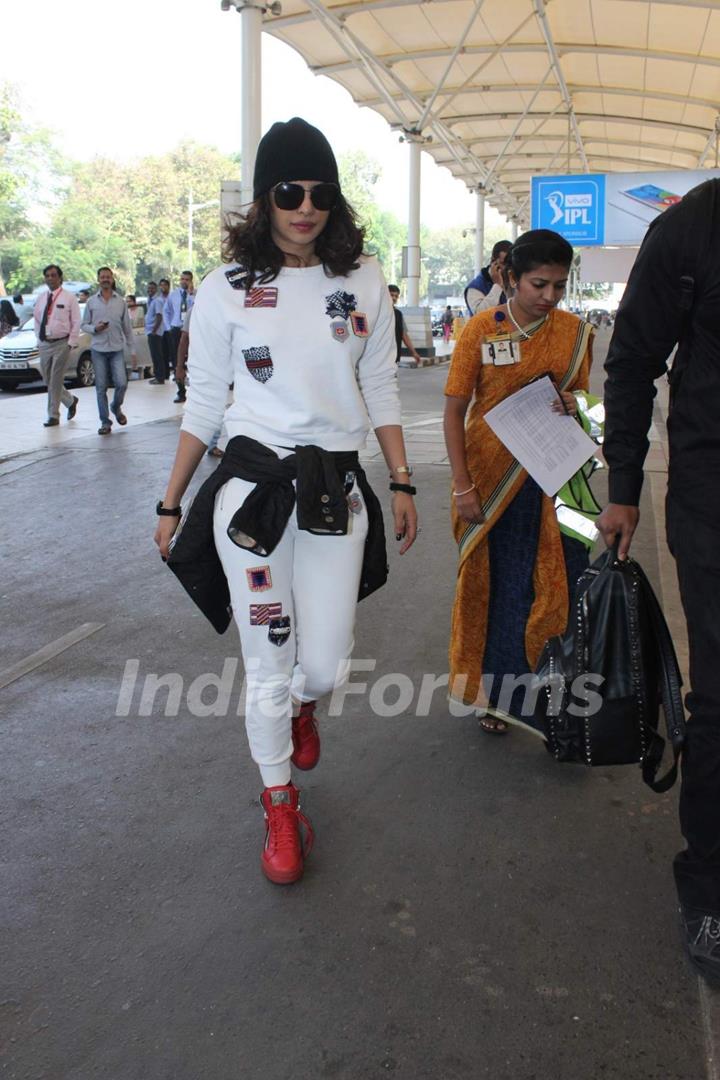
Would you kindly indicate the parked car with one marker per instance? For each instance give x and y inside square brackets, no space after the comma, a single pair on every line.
[20,358]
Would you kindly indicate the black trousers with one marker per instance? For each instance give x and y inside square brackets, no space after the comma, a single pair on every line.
[169,353]
[695,544]
[155,344]
[175,333]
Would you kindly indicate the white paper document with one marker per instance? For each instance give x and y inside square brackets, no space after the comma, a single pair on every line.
[551,446]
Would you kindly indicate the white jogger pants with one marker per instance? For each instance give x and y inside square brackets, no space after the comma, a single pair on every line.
[295,610]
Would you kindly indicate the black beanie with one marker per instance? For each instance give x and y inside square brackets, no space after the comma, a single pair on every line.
[293,151]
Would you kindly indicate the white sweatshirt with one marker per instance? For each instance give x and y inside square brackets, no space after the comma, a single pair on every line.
[317,367]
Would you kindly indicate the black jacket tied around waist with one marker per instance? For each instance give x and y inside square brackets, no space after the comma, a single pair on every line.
[310,477]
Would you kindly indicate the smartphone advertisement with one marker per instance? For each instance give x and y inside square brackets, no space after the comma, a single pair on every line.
[616,207]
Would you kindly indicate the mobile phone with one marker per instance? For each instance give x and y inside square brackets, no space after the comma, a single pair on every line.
[654,197]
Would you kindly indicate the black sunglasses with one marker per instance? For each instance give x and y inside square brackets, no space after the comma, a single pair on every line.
[290,196]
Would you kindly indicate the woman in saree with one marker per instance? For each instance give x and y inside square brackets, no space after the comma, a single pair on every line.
[517,570]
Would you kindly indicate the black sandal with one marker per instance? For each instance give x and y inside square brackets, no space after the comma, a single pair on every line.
[493,725]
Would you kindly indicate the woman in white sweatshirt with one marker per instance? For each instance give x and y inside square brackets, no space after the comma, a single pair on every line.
[287,531]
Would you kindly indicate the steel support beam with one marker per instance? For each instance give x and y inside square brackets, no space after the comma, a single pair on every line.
[563,49]
[461,41]
[517,127]
[346,11]
[574,88]
[555,61]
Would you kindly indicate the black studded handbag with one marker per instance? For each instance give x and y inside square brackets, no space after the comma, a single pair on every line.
[602,684]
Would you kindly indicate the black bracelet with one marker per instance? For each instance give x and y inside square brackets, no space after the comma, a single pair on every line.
[407,489]
[168,511]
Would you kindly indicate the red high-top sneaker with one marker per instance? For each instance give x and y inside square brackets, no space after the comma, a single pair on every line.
[305,737]
[284,852]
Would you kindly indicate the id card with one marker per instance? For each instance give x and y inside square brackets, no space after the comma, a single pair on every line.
[501,351]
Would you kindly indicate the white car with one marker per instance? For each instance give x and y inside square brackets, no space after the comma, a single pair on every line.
[20,358]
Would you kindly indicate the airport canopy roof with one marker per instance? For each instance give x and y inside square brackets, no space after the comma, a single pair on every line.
[508,89]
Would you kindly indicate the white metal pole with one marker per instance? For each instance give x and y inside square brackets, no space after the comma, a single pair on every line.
[190,231]
[479,227]
[513,230]
[251,111]
[413,259]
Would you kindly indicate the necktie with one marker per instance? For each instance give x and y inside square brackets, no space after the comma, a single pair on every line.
[183,302]
[46,314]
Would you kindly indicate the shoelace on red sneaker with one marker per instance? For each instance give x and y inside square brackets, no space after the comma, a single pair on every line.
[283,823]
[305,720]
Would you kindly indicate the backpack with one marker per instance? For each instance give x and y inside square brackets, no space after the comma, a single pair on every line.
[603,682]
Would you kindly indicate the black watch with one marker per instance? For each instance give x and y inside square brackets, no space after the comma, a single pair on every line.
[167,511]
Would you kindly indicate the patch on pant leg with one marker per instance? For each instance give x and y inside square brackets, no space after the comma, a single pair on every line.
[261,614]
[259,578]
[279,630]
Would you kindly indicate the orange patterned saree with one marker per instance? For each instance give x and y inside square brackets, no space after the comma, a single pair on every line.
[560,346]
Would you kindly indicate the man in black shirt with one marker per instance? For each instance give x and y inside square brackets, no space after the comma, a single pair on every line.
[673,297]
[401,335]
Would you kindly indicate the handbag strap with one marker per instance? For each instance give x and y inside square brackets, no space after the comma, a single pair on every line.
[671,683]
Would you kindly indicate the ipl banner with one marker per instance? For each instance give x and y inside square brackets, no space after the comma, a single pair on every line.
[597,209]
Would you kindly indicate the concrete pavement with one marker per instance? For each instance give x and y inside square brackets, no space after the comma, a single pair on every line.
[471,910]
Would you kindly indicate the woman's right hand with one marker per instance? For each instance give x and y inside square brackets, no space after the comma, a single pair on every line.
[164,533]
[469,507]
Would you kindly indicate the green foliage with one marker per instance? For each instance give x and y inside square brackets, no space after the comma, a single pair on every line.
[134,216]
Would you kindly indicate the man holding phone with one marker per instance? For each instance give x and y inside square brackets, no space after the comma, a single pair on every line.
[486,290]
[108,321]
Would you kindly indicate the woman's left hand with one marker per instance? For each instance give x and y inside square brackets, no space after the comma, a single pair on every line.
[570,403]
[405,519]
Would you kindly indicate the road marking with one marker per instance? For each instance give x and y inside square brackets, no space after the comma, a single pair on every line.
[423,423]
[48,652]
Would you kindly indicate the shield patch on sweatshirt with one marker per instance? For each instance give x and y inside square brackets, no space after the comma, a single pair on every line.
[259,363]
[279,630]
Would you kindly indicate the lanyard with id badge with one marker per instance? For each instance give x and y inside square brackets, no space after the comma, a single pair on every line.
[499,349]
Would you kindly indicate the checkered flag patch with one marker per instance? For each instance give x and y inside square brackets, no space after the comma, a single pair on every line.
[339,304]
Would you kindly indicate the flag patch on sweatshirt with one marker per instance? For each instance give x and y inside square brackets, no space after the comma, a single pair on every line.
[259,363]
[262,296]
[261,614]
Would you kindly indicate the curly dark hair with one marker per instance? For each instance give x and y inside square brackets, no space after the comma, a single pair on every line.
[249,243]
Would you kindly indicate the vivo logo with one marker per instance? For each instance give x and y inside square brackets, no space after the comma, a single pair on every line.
[570,209]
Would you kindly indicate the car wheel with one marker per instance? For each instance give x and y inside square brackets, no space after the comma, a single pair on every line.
[9,384]
[85,371]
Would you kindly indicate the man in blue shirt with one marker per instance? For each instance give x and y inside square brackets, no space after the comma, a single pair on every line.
[485,291]
[178,303]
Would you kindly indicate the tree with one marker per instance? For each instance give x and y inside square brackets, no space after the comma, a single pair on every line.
[30,179]
[384,234]
[132,217]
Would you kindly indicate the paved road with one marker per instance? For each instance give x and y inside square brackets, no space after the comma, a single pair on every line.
[472,910]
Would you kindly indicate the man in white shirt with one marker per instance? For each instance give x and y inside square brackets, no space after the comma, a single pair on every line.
[57,325]
[154,331]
